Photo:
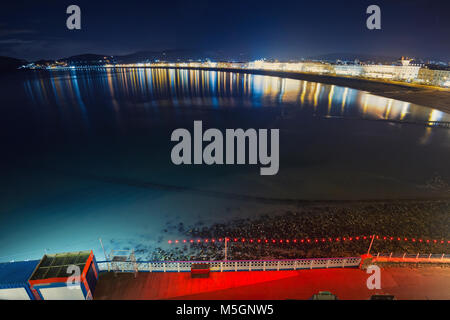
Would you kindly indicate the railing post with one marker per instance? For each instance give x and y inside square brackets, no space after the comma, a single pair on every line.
[417,257]
[343,262]
[178,266]
[328,262]
[278,265]
[250,266]
[390,256]
[164,266]
[235,266]
[429,257]
[442,258]
[295,265]
[370,246]
[264,266]
[404,256]
[221,266]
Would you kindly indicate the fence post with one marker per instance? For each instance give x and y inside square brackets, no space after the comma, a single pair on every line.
[178,266]
[150,267]
[328,262]
[295,265]
[164,267]
[226,249]
[104,252]
[235,266]
[264,266]
[221,266]
[371,242]
[278,266]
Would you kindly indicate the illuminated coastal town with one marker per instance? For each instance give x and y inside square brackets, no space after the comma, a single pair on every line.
[404,70]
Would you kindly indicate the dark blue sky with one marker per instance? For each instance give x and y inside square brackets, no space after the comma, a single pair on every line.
[280,29]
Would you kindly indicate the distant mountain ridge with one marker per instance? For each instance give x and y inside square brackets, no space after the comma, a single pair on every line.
[173,55]
[86,56]
[180,55]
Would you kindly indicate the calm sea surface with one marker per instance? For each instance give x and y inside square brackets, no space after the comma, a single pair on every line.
[86,154]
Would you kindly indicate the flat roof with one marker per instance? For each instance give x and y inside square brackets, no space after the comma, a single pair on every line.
[13,274]
[55,265]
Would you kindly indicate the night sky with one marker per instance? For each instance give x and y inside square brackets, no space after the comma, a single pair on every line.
[279,29]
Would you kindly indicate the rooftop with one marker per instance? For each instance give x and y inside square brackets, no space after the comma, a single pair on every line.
[55,265]
[16,273]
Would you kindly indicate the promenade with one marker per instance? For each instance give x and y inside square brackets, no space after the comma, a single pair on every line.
[405,283]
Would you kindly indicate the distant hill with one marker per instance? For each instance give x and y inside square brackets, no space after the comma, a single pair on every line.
[89,58]
[144,56]
[10,64]
[140,56]
[179,55]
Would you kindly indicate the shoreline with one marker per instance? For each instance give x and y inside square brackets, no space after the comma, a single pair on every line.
[418,220]
[423,95]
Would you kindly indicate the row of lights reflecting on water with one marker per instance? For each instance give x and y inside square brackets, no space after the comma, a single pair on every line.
[161,87]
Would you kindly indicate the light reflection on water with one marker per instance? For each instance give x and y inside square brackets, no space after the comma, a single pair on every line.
[169,87]
[127,103]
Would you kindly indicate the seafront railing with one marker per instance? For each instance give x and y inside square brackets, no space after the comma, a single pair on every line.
[223,266]
[268,265]
[408,257]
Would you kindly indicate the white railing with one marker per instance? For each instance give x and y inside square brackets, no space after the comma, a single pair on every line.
[239,265]
[412,257]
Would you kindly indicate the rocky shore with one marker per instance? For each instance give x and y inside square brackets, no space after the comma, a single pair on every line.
[410,219]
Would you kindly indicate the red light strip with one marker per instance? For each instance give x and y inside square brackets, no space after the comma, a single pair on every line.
[307,240]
